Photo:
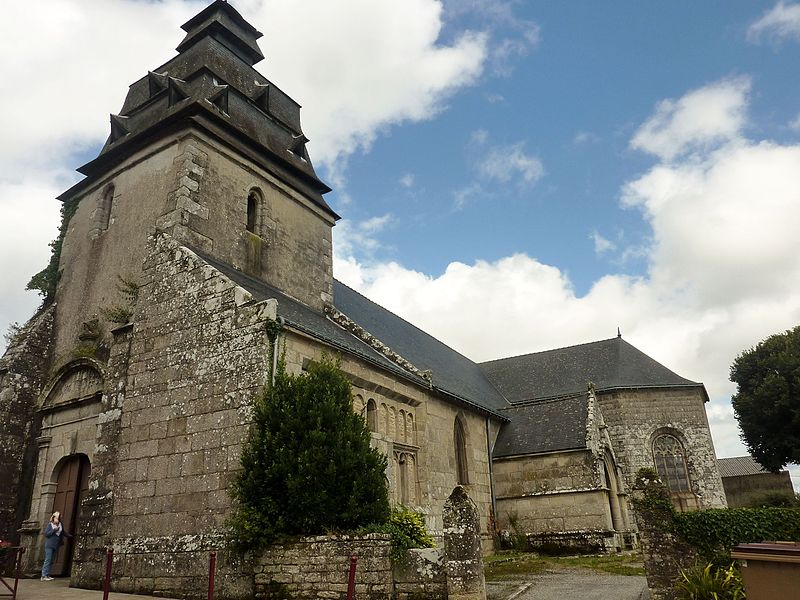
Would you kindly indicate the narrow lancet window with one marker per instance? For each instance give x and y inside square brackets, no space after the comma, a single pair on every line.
[253,209]
[460,440]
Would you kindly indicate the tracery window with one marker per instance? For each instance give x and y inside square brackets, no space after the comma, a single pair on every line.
[405,477]
[670,459]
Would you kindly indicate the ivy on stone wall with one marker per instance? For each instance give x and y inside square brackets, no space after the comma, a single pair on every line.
[45,280]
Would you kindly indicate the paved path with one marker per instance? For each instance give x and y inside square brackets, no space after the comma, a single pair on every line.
[569,584]
[58,589]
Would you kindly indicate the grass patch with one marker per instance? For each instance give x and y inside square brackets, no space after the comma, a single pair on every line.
[508,565]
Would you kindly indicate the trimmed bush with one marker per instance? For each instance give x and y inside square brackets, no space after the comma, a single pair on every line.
[715,531]
[307,467]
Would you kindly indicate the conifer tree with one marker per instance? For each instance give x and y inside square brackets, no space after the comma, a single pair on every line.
[307,466]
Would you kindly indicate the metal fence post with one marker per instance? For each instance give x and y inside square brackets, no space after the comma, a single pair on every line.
[212,567]
[107,580]
[351,579]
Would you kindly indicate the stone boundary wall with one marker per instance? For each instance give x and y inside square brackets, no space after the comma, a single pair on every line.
[664,554]
[420,575]
[318,567]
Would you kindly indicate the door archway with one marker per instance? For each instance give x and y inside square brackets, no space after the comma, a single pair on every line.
[72,485]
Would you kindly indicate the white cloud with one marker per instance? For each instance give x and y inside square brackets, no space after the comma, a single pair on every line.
[77,67]
[505,162]
[503,53]
[463,195]
[351,237]
[794,124]
[601,244]
[780,23]
[30,219]
[479,136]
[407,180]
[701,119]
[510,37]
[585,137]
[722,271]
[495,98]
[363,79]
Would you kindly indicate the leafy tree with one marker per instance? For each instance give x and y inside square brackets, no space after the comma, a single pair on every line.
[307,466]
[767,403]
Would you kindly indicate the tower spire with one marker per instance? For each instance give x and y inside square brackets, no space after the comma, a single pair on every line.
[224,23]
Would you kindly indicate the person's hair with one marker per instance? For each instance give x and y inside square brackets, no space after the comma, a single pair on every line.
[53,516]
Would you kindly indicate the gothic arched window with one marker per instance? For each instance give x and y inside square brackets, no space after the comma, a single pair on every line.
[670,459]
[460,440]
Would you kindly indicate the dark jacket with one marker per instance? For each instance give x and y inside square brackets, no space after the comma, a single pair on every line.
[52,539]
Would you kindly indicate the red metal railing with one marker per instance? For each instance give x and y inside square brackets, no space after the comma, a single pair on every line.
[351,578]
[12,589]
[107,580]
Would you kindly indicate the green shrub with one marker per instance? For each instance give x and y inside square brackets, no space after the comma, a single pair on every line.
[407,528]
[710,583]
[45,280]
[408,531]
[715,531]
[307,466]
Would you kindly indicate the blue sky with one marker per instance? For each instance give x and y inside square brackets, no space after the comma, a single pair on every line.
[512,176]
[573,100]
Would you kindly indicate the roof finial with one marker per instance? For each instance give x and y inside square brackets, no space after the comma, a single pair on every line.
[619,333]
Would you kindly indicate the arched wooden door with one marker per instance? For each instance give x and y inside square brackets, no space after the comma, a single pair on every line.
[73,482]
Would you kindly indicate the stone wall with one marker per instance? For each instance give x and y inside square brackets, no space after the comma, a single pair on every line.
[318,567]
[93,258]
[741,490]
[556,492]
[23,370]
[421,574]
[634,417]
[198,356]
[664,554]
[291,248]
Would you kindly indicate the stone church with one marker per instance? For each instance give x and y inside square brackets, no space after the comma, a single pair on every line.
[198,242]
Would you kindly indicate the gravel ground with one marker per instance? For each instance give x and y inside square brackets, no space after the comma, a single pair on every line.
[569,584]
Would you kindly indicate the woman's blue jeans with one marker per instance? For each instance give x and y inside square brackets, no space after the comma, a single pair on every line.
[49,553]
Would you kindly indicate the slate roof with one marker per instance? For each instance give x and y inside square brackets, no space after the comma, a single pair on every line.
[738,466]
[452,372]
[609,364]
[308,320]
[321,327]
[211,85]
[545,426]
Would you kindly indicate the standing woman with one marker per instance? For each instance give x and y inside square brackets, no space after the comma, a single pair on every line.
[54,534]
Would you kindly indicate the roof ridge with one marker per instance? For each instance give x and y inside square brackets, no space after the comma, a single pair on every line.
[394,314]
[485,362]
[548,400]
[348,324]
